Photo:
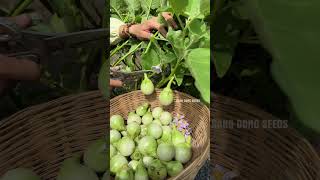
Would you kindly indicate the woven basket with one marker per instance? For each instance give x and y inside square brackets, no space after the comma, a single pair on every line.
[196,113]
[259,154]
[41,137]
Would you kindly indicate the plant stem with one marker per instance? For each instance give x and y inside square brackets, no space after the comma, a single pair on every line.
[164,81]
[150,42]
[20,7]
[148,47]
[150,76]
[187,25]
[125,56]
[46,4]
[83,80]
[155,42]
[86,14]
[180,21]
[118,13]
[164,3]
[118,48]
[149,8]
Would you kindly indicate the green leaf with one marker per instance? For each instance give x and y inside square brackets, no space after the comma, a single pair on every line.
[176,39]
[148,5]
[164,9]
[226,29]
[168,57]
[205,41]
[58,6]
[3,11]
[20,7]
[249,72]
[73,19]
[42,27]
[70,21]
[178,6]
[104,80]
[133,6]
[118,4]
[205,7]
[199,35]
[193,9]
[222,61]
[198,62]
[57,24]
[150,58]
[156,4]
[119,7]
[218,5]
[293,39]
[196,9]
[179,75]
[198,27]
[179,79]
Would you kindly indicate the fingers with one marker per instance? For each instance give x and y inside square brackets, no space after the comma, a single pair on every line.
[140,32]
[154,24]
[23,20]
[169,18]
[115,83]
[18,69]
[159,27]
[144,35]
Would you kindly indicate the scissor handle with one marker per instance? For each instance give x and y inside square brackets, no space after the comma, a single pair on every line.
[8,30]
[26,55]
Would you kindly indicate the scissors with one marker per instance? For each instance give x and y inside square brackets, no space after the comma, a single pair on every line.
[128,77]
[38,46]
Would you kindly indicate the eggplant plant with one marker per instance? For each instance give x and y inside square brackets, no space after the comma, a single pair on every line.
[183,54]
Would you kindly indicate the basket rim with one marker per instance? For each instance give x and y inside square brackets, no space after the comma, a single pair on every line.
[257,110]
[157,89]
[248,106]
[44,104]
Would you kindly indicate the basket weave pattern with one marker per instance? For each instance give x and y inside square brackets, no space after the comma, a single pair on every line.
[196,114]
[41,137]
[260,154]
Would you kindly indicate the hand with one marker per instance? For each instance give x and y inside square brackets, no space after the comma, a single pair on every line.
[13,69]
[143,31]
[115,83]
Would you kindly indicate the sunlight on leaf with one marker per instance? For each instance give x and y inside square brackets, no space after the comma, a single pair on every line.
[293,40]
[222,62]
[178,6]
[150,58]
[198,62]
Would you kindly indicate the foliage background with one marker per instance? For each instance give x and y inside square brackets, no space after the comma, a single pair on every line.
[258,59]
[183,55]
[67,73]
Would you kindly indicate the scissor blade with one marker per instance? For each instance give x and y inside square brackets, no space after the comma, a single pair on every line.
[137,72]
[27,34]
[78,39]
[129,76]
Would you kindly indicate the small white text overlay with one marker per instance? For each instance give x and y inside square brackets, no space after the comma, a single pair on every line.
[249,124]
